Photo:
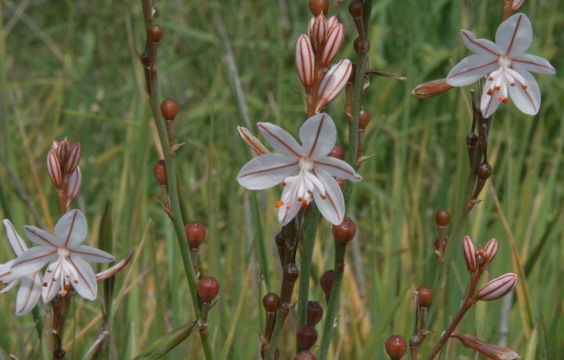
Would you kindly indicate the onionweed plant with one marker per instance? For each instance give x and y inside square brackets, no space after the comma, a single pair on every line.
[315,197]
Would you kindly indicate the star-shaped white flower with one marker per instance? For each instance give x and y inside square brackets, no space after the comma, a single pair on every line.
[67,258]
[507,65]
[30,285]
[306,171]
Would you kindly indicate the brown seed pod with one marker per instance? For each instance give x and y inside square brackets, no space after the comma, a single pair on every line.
[208,288]
[306,336]
[485,171]
[160,172]
[169,109]
[155,33]
[318,6]
[195,233]
[424,296]
[364,119]
[305,355]
[395,347]
[344,232]
[314,313]
[326,282]
[271,302]
[442,217]
[356,8]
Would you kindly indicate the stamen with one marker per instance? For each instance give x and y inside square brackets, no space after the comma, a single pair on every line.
[300,199]
[304,203]
[497,88]
[524,86]
[283,183]
[44,284]
[75,282]
[67,287]
[323,196]
[490,78]
[490,92]
[512,84]
[49,271]
[279,203]
[505,100]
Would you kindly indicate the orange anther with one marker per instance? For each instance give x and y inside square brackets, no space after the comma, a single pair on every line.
[490,92]
[279,203]
[512,84]
[283,183]
[505,100]
[323,196]
[523,86]
[497,88]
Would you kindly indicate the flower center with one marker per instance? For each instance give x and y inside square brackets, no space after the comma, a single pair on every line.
[306,164]
[504,62]
[63,252]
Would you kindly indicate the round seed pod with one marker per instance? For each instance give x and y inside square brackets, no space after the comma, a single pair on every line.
[271,302]
[305,355]
[395,347]
[424,296]
[364,119]
[195,233]
[326,282]
[484,171]
[318,6]
[356,8]
[442,217]
[208,288]
[306,337]
[345,231]
[169,109]
[314,313]
[159,170]
[155,33]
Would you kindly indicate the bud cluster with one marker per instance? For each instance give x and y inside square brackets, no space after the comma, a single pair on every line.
[63,169]
[478,259]
[315,51]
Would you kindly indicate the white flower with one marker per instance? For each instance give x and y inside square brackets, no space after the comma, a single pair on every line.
[305,171]
[30,285]
[67,258]
[507,65]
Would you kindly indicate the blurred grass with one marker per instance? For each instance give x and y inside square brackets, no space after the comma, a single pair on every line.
[70,69]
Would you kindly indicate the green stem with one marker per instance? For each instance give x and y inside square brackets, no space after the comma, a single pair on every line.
[333,305]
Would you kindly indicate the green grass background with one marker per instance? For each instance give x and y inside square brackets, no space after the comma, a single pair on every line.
[70,69]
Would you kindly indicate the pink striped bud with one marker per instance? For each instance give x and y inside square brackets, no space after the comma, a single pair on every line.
[319,32]
[497,287]
[516,4]
[305,61]
[75,180]
[252,141]
[332,45]
[490,351]
[61,148]
[333,82]
[490,250]
[310,24]
[54,169]
[469,254]
[431,88]
[331,23]
[73,158]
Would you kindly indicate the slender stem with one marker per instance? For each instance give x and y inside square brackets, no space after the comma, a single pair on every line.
[333,305]
[271,347]
[310,229]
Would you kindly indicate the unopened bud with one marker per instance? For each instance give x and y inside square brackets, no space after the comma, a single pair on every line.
[431,88]
[160,172]
[442,218]
[271,302]
[364,119]
[326,282]
[318,6]
[62,148]
[516,4]
[305,355]
[319,32]
[395,347]
[169,109]
[424,296]
[306,336]
[155,33]
[314,313]
[332,45]
[54,169]
[208,288]
[337,152]
[73,184]
[305,60]
[333,82]
[490,250]
[345,231]
[490,351]
[73,158]
[497,287]
[331,23]
[195,234]
[252,140]
[469,254]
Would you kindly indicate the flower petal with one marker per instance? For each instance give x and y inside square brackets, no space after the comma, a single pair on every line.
[483,47]
[470,69]
[83,278]
[51,281]
[280,139]
[338,168]
[535,64]
[91,254]
[515,34]
[266,171]
[318,135]
[15,240]
[11,284]
[291,206]
[41,237]
[71,228]
[332,204]
[489,103]
[28,294]
[33,259]
[526,96]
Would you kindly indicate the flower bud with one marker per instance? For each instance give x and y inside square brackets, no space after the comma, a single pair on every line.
[345,231]
[169,109]
[331,23]
[497,288]
[516,4]
[332,45]
[442,218]
[337,152]
[318,6]
[61,148]
[54,169]
[252,140]
[271,302]
[424,296]
[326,282]
[195,234]
[364,119]
[160,172]
[314,313]
[490,351]
[431,88]
[319,32]
[490,250]
[73,185]
[208,288]
[73,158]
[155,33]
[395,347]
[305,355]
[306,336]
[469,254]
[305,60]
[333,82]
